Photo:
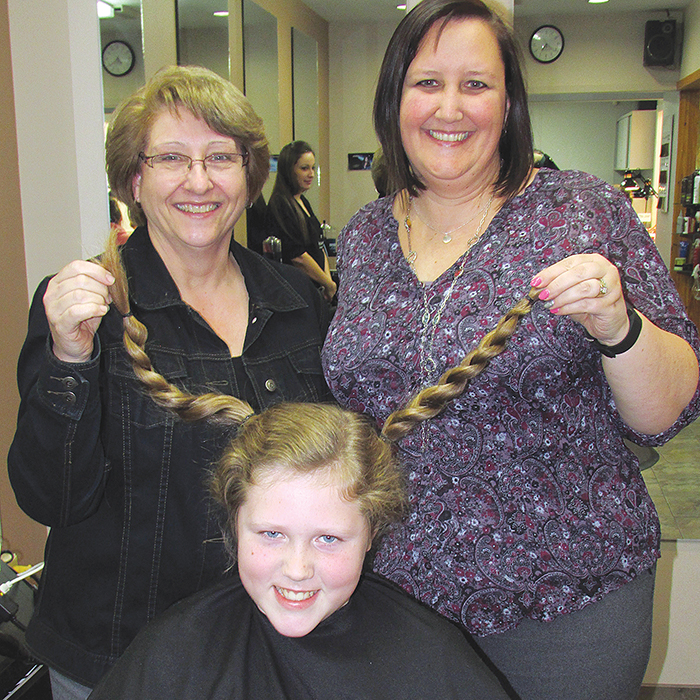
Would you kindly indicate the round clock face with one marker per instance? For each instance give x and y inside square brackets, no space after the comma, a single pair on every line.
[117,58]
[546,44]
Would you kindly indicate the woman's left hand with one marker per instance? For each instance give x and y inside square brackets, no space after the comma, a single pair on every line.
[586,287]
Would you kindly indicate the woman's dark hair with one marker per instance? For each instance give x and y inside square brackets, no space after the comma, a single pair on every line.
[379,173]
[287,186]
[515,146]
[286,181]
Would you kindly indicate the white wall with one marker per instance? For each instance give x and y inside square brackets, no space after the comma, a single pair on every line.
[601,55]
[58,106]
[579,135]
[691,41]
[356,53]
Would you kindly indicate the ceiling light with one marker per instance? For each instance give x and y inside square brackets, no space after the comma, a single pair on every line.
[104,10]
[597,2]
[402,6]
[221,13]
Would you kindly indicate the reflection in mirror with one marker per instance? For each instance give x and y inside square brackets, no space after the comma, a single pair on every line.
[118,79]
[202,34]
[261,74]
[305,89]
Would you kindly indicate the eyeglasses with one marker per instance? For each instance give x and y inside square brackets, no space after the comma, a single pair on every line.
[180,164]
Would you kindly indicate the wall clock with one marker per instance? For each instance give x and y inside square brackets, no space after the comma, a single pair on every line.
[117,58]
[546,43]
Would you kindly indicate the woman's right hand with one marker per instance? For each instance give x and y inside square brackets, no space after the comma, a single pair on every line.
[75,301]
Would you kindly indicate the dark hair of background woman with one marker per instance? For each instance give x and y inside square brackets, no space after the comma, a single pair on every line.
[286,184]
[515,146]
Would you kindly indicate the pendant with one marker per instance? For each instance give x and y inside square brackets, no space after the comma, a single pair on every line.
[446,238]
[412,258]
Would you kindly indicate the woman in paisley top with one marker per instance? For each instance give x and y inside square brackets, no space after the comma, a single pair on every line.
[530,523]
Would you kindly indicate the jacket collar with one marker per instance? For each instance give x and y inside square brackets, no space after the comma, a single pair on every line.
[151,287]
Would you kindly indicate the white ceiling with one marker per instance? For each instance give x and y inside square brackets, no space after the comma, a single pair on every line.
[199,12]
[385,10]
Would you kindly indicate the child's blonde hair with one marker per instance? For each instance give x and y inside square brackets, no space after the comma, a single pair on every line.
[305,438]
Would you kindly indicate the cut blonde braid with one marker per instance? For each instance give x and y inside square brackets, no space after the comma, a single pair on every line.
[229,410]
[217,408]
[429,402]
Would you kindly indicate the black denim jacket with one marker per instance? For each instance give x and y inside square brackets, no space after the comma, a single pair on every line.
[119,480]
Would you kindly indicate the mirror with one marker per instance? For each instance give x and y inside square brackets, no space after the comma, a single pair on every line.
[202,36]
[261,73]
[305,91]
[124,27]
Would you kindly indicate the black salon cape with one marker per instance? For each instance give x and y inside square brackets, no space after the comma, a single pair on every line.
[217,645]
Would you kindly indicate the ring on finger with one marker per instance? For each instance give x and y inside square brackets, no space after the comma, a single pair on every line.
[603,290]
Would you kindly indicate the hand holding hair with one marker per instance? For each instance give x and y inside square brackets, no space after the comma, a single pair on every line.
[75,301]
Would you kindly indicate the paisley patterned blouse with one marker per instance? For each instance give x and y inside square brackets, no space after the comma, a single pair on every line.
[525,501]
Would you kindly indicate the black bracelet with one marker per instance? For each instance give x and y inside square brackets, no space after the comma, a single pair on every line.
[627,342]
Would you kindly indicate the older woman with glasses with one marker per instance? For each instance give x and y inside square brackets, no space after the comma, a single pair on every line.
[116,476]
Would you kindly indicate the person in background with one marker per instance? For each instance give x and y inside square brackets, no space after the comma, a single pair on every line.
[99,455]
[379,173]
[304,489]
[291,218]
[529,523]
[116,221]
[255,224]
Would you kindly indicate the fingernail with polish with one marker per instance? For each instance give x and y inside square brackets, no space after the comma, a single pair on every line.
[548,304]
[536,282]
[544,294]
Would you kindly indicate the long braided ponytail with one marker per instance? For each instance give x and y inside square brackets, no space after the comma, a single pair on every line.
[429,402]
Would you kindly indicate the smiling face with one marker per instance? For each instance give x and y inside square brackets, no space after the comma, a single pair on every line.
[199,208]
[305,171]
[453,105]
[301,547]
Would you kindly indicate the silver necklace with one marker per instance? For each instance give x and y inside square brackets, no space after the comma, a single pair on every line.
[447,235]
[412,255]
[430,320]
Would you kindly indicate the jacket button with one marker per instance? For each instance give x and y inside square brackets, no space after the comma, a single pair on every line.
[69,397]
[69,382]
[271,385]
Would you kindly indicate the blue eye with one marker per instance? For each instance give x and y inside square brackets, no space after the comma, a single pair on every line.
[328,539]
[271,534]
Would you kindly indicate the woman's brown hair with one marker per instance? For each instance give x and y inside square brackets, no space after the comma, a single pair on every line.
[223,107]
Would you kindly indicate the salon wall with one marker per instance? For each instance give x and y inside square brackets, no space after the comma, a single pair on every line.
[691,41]
[602,54]
[357,51]
[19,532]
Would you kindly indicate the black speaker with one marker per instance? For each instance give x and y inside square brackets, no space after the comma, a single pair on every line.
[660,42]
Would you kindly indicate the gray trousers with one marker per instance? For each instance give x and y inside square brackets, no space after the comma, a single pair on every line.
[598,653]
